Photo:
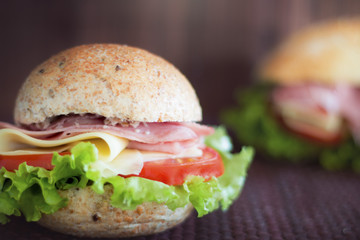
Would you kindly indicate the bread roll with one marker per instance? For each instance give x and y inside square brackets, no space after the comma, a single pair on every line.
[325,53]
[89,214]
[114,81]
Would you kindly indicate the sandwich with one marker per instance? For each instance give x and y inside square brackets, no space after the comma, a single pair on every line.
[305,106]
[106,144]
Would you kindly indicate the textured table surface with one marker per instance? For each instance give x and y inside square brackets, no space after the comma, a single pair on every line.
[278,202]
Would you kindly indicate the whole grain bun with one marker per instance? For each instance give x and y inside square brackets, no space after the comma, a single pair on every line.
[89,214]
[326,53]
[114,81]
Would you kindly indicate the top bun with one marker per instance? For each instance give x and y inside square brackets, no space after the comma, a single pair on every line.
[325,53]
[115,81]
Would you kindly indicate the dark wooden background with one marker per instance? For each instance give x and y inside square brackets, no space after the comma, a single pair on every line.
[215,43]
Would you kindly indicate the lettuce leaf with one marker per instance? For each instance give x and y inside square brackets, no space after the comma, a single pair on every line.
[236,165]
[32,191]
[342,157]
[254,124]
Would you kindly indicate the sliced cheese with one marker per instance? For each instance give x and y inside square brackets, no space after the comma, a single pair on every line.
[330,122]
[130,161]
[113,157]
[153,156]
[12,140]
[110,148]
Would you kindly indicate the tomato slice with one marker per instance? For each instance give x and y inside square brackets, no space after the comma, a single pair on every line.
[169,171]
[12,163]
[175,171]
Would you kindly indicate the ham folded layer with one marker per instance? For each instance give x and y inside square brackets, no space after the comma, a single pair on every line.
[170,137]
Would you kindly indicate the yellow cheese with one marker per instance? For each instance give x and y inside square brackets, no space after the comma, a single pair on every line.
[330,122]
[110,148]
[113,157]
[12,141]
[130,161]
[152,156]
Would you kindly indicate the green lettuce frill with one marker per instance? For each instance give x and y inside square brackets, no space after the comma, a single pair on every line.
[33,191]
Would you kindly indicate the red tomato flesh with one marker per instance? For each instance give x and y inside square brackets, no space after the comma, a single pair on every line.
[169,171]
[12,163]
[175,171]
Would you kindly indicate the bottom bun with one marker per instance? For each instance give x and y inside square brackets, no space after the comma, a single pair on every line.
[89,214]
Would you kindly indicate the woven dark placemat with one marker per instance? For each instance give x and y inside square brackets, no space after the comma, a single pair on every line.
[278,202]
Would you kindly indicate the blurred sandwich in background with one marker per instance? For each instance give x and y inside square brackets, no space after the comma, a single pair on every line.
[305,105]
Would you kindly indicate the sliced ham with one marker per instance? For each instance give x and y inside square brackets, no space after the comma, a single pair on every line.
[309,96]
[169,147]
[171,137]
[146,133]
